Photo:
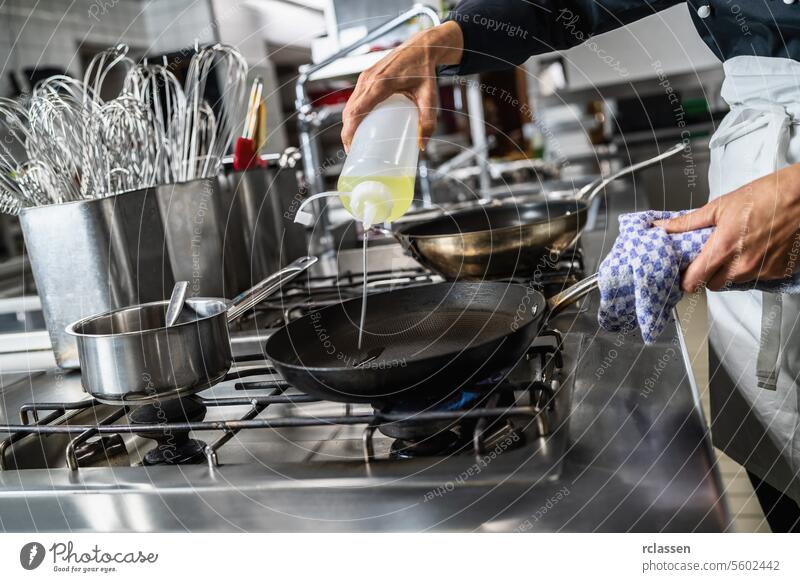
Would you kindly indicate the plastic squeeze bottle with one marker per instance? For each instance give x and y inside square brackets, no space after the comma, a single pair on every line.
[377,180]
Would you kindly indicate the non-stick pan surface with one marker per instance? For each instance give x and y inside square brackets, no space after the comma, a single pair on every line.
[421,343]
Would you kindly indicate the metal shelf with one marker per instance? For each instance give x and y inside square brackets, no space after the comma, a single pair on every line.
[347,66]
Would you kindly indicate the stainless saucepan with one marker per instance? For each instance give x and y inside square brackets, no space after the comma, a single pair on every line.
[130,355]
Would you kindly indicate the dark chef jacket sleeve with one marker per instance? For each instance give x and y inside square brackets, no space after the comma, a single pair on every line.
[501,33]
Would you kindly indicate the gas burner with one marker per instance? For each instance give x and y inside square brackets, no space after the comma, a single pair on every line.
[417,435]
[173,447]
[414,424]
[186,452]
[441,443]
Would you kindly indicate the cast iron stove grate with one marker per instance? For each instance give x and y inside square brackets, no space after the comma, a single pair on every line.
[307,294]
[533,407]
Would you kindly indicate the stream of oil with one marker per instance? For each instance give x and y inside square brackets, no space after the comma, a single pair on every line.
[363,290]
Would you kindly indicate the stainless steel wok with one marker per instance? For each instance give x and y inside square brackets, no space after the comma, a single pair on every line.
[499,241]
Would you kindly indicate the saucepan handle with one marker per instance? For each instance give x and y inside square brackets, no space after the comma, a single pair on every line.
[568,296]
[588,192]
[255,295]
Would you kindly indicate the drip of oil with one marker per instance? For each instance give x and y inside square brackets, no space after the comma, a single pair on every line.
[386,209]
[363,289]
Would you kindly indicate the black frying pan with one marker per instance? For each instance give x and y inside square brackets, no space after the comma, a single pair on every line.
[420,343]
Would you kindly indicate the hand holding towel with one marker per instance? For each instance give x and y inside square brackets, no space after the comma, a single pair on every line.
[639,280]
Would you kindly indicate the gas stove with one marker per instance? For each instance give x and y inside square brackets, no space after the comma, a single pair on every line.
[519,404]
[319,290]
[515,404]
[260,455]
[551,445]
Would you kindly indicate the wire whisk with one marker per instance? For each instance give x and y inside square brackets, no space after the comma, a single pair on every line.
[66,143]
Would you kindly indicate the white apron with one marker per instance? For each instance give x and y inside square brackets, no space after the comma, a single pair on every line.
[755,336]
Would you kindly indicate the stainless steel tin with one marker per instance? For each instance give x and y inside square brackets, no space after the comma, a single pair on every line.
[263,198]
[93,256]
[130,356]
[203,232]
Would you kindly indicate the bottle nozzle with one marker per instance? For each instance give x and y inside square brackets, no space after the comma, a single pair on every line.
[371,202]
[369,214]
[306,218]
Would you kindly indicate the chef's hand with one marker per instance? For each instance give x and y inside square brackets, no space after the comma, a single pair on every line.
[757,234]
[408,69]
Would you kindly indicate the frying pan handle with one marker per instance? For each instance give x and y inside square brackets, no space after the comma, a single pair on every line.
[404,241]
[382,230]
[568,296]
[255,295]
[408,245]
[588,192]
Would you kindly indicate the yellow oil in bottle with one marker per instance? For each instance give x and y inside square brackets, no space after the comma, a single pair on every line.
[401,188]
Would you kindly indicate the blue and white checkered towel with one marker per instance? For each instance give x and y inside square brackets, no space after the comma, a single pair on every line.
[639,280]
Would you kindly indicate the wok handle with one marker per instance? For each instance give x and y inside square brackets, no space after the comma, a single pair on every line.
[382,230]
[405,241]
[588,192]
[408,245]
[255,295]
[570,295]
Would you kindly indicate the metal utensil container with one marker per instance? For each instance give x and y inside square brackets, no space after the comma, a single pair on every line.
[203,233]
[263,199]
[93,256]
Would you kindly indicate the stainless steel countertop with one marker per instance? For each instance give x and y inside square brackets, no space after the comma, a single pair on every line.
[634,455]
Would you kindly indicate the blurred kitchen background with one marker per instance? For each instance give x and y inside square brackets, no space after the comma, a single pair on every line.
[551,110]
